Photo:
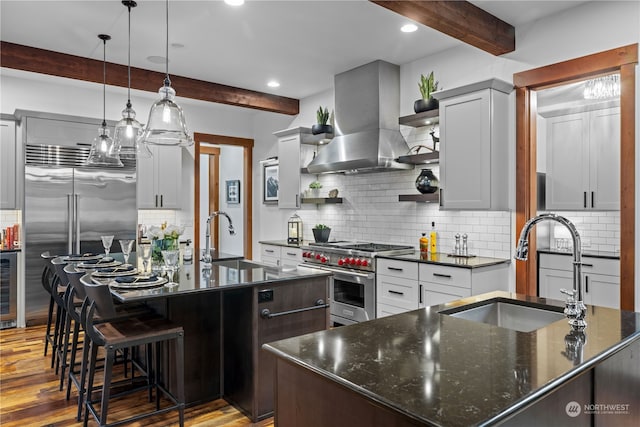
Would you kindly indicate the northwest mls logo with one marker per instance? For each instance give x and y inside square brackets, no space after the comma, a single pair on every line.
[573,409]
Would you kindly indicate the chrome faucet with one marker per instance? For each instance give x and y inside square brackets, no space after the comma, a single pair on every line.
[575,309]
[206,257]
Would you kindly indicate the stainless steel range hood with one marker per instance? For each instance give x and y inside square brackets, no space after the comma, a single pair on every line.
[367,106]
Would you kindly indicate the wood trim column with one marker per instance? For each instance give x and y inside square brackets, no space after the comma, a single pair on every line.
[624,60]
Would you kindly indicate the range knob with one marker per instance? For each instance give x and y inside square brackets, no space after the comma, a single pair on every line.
[323,259]
[352,261]
[365,263]
[359,261]
[341,261]
[318,256]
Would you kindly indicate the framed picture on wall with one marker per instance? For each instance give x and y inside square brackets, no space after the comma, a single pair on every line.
[233,191]
[270,183]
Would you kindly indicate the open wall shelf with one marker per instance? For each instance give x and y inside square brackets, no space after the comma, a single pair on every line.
[426,118]
[425,198]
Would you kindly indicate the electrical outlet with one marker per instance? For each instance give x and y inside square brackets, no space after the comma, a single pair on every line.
[265,295]
[586,243]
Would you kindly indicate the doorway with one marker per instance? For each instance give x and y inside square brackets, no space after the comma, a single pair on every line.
[235,196]
[624,61]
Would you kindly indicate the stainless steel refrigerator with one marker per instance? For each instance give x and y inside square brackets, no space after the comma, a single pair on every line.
[68,207]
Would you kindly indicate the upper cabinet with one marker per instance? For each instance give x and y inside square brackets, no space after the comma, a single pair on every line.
[474,152]
[8,165]
[296,148]
[160,178]
[583,160]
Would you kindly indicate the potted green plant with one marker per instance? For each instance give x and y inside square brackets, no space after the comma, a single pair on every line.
[315,187]
[321,233]
[427,86]
[322,117]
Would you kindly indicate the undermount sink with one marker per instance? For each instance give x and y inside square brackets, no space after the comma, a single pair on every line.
[509,314]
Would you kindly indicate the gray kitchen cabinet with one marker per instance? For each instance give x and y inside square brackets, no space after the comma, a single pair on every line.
[600,278]
[474,146]
[397,288]
[408,285]
[296,148]
[160,178]
[280,256]
[583,160]
[8,197]
[441,284]
[289,168]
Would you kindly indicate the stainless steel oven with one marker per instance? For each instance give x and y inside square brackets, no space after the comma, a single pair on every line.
[353,288]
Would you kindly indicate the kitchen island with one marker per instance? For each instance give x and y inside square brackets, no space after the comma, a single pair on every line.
[228,309]
[424,368]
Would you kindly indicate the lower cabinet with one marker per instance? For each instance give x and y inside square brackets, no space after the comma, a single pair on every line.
[407,285]
[273,311]
[280,256]
[600,278]
[397,288]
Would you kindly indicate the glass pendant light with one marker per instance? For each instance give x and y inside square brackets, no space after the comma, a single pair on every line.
[166,124]
[128,129]
[104,151]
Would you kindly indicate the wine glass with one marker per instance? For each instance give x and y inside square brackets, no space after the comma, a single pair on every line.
[146,255]
[171,262]
[126,245]
[106,243]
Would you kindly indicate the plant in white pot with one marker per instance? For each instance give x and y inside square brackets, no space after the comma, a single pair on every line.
[322,117]
[427,85]
[321,233]
[315,187]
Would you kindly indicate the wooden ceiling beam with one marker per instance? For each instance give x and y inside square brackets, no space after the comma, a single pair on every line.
[42,61]
[461,20]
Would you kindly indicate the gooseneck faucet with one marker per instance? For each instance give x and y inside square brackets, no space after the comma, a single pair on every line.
[575,309]
[206,257]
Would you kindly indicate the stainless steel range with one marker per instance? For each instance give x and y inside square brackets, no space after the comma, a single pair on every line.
[353,293]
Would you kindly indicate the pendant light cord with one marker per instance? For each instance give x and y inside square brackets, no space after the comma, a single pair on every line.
[129,61]
[104,81]
[167,81]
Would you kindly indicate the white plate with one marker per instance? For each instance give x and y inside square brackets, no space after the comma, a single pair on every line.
[106,264]
[115,273]
[81,258]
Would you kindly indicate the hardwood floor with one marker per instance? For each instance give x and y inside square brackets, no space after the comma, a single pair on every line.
[29,392]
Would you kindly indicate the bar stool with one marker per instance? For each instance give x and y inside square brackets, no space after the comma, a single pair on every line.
[77,304]
[58,289]
[113,334]
[47,279]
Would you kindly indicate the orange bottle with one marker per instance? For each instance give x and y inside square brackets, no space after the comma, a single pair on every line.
[424,244]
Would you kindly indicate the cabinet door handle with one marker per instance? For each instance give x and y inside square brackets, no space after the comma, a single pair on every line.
[448,276]
[394,269]
[440,198]
[291,253]
[420,297]
[584,199]
[586,284]
[593,193]
[156,200]
[269,250]
[161,201]
[266,313]
[396,292]
[584,264]
[297,200]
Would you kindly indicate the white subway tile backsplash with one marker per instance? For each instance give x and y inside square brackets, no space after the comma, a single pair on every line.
[369,214]
[599,230]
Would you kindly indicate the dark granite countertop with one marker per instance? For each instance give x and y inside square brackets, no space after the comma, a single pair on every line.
[587,253]
[445,259]
[229,273]
[285,243]
[447,371]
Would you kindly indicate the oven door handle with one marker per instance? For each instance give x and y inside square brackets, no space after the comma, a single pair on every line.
[344,273]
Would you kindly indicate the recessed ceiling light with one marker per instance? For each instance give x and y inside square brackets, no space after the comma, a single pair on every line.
[409,28]
[234,2]
[156,59]
[273,83]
